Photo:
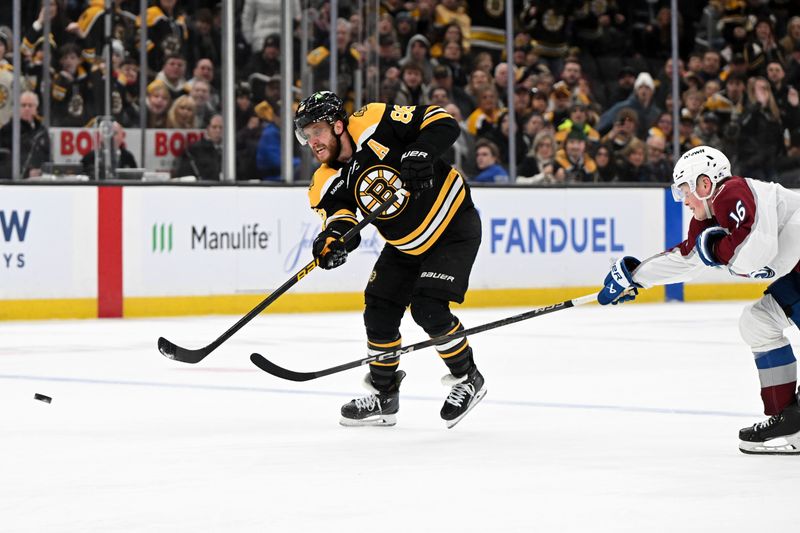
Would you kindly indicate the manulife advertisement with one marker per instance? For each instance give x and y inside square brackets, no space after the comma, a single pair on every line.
[228,240]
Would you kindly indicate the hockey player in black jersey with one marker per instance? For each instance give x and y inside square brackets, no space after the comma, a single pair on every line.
[432,235]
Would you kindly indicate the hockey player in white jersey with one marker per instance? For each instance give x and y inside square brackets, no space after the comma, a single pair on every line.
[751,228]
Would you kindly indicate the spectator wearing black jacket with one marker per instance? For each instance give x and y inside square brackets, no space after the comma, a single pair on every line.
[167,33]
[658,168]
[606,165]
[443,77]
[121,157]
[453,58]
[761,134]
[204,40]
[34,140]
[72,101]
[247,139]
[203,159]
[268,62]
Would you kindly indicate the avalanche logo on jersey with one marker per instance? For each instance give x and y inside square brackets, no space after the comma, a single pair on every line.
[762,273]
[376,185]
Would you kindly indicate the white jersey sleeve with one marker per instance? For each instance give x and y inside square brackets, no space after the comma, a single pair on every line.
[763,224]
[786,213]
[668,267]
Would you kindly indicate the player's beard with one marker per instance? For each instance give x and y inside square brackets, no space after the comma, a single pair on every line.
[334,148]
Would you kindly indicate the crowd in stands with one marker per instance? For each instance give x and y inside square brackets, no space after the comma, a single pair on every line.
[592,81]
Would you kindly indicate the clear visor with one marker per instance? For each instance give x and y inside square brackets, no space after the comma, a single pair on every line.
[301,136]
[315,129]
[679,192]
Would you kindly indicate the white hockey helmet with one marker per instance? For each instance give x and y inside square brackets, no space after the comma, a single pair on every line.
[699,161]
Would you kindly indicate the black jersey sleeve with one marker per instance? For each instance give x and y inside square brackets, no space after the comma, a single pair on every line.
[431,125]
[328,196]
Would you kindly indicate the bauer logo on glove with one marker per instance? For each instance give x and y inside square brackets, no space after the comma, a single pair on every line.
[412,153]
[619,287]
[416,168]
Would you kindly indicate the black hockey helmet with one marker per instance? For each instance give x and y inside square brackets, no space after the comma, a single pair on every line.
[320,106]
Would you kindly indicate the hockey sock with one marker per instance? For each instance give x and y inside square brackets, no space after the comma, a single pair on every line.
[382,373]
[457,353]
[777,372]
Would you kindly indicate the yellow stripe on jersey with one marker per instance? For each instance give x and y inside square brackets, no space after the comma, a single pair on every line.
[317,56]
[90,16]
[444,208]
[154,14]
[88,55]
[448,183]
[320,182]
[363,123]
[342,215]
[434,113]
[476,119]
[487,34]
[58,92]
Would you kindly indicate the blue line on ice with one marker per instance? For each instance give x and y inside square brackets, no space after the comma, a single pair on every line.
[513,403]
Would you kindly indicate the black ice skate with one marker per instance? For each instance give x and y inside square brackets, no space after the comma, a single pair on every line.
[777,435]
[465,393]
[378,409]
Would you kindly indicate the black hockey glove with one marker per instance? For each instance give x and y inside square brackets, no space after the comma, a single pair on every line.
[329,249]
[416,167]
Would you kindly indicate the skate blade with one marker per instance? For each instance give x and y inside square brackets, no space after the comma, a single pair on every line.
[378,420]
[478,398]
[777,446]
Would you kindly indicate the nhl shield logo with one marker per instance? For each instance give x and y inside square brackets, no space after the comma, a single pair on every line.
[376,185]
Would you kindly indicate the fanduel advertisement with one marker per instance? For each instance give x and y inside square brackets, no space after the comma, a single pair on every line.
[563,237]
[48,242]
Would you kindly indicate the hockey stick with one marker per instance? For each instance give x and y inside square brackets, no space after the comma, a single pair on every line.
[268,366]
[186,355]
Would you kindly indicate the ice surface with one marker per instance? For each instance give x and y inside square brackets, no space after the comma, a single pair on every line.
[618,419]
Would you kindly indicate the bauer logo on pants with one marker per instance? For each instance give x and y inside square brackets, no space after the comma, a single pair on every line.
[437,275]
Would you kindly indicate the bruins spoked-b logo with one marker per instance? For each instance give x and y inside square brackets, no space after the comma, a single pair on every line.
[376,185]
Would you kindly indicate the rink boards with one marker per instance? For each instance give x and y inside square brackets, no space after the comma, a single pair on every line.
[112,251]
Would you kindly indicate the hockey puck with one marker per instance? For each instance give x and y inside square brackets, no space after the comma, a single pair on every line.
[42,398]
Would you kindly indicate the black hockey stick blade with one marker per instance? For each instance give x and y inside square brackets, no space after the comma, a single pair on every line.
[187,355]
[268,366]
